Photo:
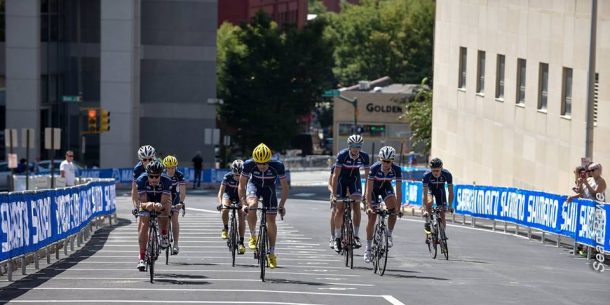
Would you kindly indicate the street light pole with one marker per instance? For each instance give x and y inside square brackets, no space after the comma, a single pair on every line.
[591,82]
[354,103]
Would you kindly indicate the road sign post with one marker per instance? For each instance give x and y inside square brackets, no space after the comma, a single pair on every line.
[354,102]
[52,141]
[28,143]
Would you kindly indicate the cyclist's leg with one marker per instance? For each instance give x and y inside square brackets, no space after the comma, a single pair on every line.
[242,225]
[143,234]
[224,215]
[175,229]
[270,200]
[356,216]
[370,227]
[333,210]
[427,212]
[252,201]
[339,208]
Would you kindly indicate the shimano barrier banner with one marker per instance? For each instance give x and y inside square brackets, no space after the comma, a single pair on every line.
[32,220]
[583,220]
[412,192]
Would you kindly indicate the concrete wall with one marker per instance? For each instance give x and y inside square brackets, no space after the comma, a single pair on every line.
[494,141]
[178,68]
[23,68]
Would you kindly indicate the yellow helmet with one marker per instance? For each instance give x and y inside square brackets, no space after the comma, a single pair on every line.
[261,154]
[170,161]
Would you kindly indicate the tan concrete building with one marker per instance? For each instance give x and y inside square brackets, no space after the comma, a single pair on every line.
[510,90]
[379,110]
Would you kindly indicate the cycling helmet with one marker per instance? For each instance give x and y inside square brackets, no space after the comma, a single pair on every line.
[261,154]
[436,163]
[387,153]
[146,152]
[154,168]
[237,166]
[355,140]
[170,161]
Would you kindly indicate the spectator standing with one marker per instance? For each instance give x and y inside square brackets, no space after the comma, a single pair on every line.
[197,167]
[594,187]
[580,173]
[67,168]
[21,167]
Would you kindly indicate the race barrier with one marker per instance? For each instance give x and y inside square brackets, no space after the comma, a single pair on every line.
[32,220]
[585,221]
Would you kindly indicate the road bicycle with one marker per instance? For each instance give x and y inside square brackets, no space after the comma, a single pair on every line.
[233,240]
[437,236]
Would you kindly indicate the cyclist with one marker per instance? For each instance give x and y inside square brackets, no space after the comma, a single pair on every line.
[178,194]
[379,184]
[146,154]
[434,189]
[228,194]
[346,180]
[154,191]
[333,209]
[260,175]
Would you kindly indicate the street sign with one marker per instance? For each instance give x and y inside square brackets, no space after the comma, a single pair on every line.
[331,93]
[10,137]
[71,98]
[28,137]
[56,145]
[12,160]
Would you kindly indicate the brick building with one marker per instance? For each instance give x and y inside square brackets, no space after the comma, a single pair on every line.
[282,11]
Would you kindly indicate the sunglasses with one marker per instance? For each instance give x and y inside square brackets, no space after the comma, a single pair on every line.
[154,176]
[70,155]
[147,160]
[386,161]
[262,163]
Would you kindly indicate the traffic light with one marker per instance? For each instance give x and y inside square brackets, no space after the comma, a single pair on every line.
[104,120]
[92,119]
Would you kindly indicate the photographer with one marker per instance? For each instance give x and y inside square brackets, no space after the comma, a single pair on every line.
[580,174]
[594,186]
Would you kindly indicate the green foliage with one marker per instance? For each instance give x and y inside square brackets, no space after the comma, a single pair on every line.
[418,113]
[383,38]
[269,77]
[316,7]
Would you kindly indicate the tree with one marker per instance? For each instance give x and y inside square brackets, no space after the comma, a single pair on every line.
[418,113]
[272,77]
[383,38]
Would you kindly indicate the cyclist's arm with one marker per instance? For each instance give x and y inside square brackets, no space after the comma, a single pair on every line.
[134,194]
[220,192]
[335,179]
[450,190]
[330,183]
[369,192]
[425,196]
[366,175]
[399,194]
[142,199]
[241,191]
[182,192]
[166,199]
[284,195]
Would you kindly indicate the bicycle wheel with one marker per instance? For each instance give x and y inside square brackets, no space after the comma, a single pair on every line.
[430,246]
[382,253]
[435,241]
[170,238]
[374,249]
[262,251]
[152,251]
[233,237]
[347,242]
[443,242]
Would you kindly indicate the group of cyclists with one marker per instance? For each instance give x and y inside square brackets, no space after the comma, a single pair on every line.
[158,186]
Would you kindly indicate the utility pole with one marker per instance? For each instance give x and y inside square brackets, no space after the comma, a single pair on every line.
[591,82]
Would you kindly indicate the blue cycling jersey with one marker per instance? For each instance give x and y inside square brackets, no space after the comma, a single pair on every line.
[381,178]
[138,170]
[267,178]
[154,193]
[436,185]
[350,167]
[177,181]
[230,184]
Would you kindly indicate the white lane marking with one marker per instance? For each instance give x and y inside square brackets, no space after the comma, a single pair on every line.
[304,194]
[307,251]
[158,289]
[392,300]
[207,246]
[153,301]
[160,278]
[219,271]
[298,254]
[311,260]
[203,210]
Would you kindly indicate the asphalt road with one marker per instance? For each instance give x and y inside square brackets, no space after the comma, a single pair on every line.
[484,267]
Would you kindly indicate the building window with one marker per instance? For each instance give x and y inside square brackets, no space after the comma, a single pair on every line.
[566,94]
[2,23]
[543,86]
[481,72]
[520,81]
[462,71]
[500,77]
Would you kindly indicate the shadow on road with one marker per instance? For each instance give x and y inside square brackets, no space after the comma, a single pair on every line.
[176,275]
[181,282]
[297,282]
[94,244]
[191,264]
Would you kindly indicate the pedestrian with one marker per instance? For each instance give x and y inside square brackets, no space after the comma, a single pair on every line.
[67,168]
[197,167]
[594,187]
[580,173]
[21,167]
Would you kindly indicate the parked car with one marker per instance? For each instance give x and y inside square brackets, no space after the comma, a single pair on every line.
[44,166]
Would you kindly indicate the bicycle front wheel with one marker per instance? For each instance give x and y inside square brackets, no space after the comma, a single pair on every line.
[435,241]
[382,253]
[152,251]
[375,246]
[348,243]
[262,251]
[170,237]
[443,242]
[233,238]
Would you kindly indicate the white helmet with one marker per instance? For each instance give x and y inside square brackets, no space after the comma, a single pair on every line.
[355,139]
[146,152]
[237,166]
[387,153]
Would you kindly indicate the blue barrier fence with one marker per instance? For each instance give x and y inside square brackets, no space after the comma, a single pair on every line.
[32,220]
[125,175]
